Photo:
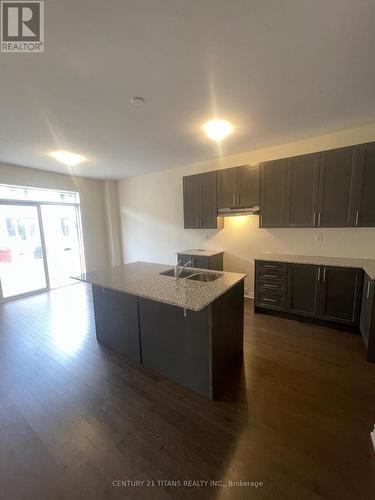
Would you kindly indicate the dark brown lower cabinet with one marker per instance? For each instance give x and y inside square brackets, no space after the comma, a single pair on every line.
[303,289]
[367,319]
[213,262]
[341,292]
[326,293]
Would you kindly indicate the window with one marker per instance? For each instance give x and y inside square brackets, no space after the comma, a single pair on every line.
[35,194]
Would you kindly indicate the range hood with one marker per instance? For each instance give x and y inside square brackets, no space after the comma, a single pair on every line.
[228,212]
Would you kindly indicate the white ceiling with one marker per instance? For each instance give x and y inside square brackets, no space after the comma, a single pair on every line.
[279,70]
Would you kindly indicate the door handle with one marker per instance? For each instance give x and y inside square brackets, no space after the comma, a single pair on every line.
[368,289]
[356,218]
[318,273]
[324,275]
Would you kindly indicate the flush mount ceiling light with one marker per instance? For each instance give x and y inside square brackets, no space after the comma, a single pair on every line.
[217,129]
[137,100]
[68,158]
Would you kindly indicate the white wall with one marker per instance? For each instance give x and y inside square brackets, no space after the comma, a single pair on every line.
[113,222]
[92,197]
[152,216]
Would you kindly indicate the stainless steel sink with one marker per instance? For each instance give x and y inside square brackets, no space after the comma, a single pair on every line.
[204,277]
[170,272]
[191,274]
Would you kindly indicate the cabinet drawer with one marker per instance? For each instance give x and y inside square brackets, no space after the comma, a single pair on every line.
[273,286]
[271,300]
[271,270]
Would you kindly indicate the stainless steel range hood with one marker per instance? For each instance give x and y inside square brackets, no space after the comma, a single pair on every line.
[228,212]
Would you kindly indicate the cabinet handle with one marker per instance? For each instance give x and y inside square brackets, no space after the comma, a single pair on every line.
[270,300]
[319,218]
[197,222]
[269,266]
[270,275]
[368,289]
[318,273]
[324,275]
[356,218]
[266,285]
[314,216]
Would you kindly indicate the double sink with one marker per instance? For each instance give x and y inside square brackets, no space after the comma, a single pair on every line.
[193,275]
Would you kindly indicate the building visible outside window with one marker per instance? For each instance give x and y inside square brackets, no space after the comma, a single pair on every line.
[11,226]
[65,226]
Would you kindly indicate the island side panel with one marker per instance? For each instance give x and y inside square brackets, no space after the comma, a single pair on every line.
[176,346]
[117,321]
[227,320]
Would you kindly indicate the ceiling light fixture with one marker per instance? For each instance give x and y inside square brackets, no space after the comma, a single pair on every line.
[68,158]
[218,129]
[137,100]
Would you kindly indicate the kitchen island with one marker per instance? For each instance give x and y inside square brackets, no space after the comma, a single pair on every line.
[190,330]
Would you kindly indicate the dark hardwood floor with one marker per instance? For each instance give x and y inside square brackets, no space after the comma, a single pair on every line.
[74,416]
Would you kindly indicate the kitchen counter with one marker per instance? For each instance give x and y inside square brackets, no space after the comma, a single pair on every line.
[368,265]
[196,344]
[143,279]
[200,252]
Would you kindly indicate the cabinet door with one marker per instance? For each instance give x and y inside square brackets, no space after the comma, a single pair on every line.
[341,290]
[248,186]
[183,259]
[117,321]
[302,190]
[200,262]
[227,188]
[272,194]
[303,288]
[208,219]
[192,197]
[336,193]
[365,206]
[366,308]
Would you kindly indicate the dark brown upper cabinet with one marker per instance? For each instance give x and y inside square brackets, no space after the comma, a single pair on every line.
[328,189]
[364,214]
[273,193]
[302,184]
[336,187]
[238,187]
[200,201]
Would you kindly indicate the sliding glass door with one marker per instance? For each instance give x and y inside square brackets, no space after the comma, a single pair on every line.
[62,239]
[40,240]
[22,264]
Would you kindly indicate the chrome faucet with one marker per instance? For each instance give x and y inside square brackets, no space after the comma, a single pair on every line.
[177,271]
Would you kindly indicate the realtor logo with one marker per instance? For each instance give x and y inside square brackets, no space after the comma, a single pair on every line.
[22,26]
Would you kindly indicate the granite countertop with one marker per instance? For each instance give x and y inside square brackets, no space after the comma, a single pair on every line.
[368,265]
[143,279]
[200,251]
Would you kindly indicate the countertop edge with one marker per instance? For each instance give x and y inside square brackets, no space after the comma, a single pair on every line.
[170,303]
[312,260]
